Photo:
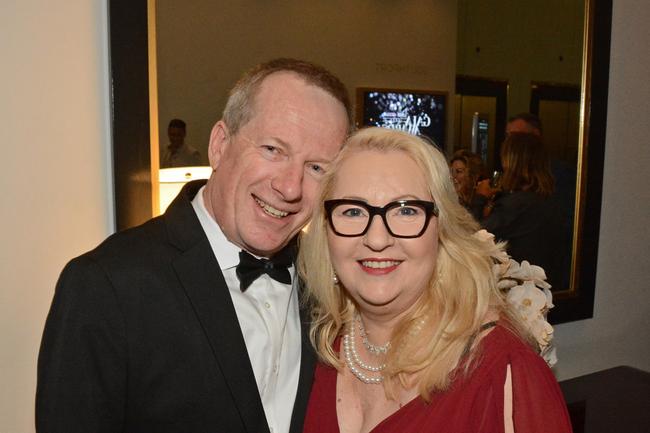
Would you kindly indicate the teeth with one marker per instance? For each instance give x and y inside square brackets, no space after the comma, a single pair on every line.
[271,210]
[379,265]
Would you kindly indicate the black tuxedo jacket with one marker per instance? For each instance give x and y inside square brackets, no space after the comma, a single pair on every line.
[142,336]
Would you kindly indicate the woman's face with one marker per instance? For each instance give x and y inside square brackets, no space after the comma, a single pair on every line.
[459,174]
[385,275]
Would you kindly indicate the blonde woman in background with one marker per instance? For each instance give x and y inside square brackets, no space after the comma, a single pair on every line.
[467,169]
[412,333]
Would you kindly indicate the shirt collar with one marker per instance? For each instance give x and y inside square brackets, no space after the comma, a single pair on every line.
[226,252]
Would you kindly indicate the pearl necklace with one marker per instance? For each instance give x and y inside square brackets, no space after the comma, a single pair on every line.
[356,364]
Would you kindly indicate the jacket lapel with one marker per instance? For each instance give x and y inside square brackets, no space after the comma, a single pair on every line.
[207,291]
[307,365]
[209,296]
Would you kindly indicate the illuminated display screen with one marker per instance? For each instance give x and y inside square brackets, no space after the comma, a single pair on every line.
[417,112]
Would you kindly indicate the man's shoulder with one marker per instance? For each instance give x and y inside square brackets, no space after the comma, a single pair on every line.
[189,151]
[129,246]
[154,242]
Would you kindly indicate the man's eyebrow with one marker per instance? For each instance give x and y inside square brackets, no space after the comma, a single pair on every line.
[322,159]
[281,142]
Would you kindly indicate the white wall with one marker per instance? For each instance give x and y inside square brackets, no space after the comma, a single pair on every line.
[619,332]
[55,181]
[54,107]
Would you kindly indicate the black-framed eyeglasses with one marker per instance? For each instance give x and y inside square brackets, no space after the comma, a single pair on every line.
[402,218]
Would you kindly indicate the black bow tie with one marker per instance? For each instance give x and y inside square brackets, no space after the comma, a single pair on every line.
[277,267]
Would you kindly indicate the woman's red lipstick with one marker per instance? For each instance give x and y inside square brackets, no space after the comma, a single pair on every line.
[379,266]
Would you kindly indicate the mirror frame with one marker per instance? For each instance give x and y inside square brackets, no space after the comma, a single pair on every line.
[131,135]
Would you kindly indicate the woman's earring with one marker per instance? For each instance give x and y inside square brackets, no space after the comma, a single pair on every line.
[335,279]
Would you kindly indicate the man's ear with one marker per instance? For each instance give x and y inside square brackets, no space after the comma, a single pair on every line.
[219,142]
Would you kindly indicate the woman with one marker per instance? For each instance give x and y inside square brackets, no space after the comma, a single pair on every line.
[524,213]
[412,332]
[467,169]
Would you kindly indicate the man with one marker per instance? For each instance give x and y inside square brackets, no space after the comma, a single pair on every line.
[178,153]
[156,329]
[524,122]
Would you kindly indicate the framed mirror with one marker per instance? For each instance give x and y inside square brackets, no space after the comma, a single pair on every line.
[134,73]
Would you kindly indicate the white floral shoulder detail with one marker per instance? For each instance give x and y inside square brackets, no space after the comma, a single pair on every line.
[526,289]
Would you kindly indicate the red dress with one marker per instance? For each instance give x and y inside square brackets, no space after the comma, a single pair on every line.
[473,404]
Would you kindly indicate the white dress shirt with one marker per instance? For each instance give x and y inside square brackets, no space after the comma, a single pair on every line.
[269,318]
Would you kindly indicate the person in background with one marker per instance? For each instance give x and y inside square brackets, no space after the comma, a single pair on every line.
[467,169]
[563,174]
[564,194]
[524,122]
[178,153]
[524,213]
[191,322]
[412,333]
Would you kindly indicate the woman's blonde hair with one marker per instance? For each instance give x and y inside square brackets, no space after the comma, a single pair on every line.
[430,343]
[474,171]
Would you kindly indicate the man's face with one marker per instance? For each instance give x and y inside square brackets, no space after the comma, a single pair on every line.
[176,136]
[267,175]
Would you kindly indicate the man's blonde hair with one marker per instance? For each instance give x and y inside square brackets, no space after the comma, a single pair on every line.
[241,101]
